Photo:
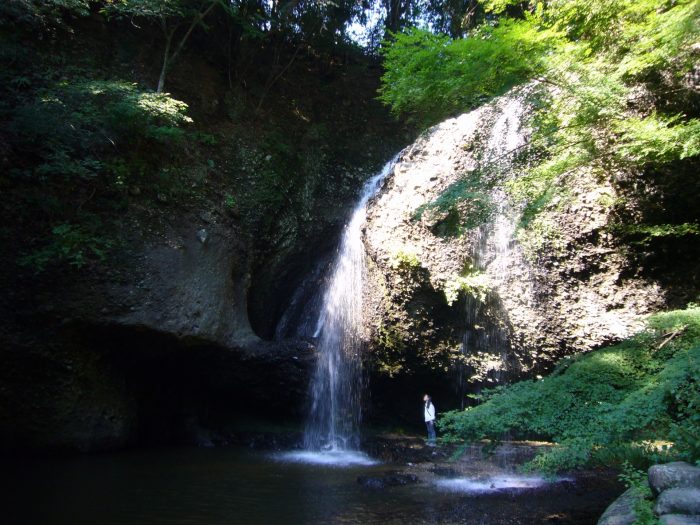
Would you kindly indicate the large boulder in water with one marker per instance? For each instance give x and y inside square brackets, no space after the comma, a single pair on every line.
[621,511]
[451,264]
[671,475]
[679,500]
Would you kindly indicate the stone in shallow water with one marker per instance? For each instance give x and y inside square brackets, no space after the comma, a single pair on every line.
[389,480]
[679,519]
[678,501]
[672,475]
[621,511]
[203,235]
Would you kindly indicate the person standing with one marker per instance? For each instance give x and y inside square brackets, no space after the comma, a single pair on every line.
[429,414]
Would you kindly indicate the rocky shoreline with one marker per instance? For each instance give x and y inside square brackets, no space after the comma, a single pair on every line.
[676,489]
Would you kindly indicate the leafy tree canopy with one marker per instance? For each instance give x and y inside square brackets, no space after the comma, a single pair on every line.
[597,61]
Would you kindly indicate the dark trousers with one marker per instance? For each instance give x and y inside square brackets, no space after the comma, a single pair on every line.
[431,430]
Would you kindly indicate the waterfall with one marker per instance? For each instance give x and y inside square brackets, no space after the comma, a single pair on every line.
[493,246]
[301,319]
[336,386]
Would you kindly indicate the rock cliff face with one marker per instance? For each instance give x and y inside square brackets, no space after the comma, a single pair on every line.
[150,324]
[192,283]
[459,284]
[154,348]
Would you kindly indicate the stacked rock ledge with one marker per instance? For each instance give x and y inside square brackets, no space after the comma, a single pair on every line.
[677,486]
[677,489]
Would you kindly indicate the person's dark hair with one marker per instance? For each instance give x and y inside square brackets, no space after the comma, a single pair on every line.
[429,400]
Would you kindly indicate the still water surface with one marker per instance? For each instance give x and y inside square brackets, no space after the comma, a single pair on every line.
[237,486]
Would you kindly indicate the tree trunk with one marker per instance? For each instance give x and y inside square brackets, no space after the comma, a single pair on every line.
[272,78]
[166,59]
[395,15]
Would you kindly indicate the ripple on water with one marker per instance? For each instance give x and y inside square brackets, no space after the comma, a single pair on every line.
[494,484]
[331,458]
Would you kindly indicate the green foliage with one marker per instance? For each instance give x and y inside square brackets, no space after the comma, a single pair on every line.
[76,245]
[645,234]
[638,481]
[463,205]
[589,122]
[609,405]
[206,139]
[79,144]
[594,58]
[145,8]
[657,138]
[229,201]
[76,126]
[431,76]
[498,6]
[659,37]
[471,281]
[42,14]
[586,122]
[405,260]
[390,353]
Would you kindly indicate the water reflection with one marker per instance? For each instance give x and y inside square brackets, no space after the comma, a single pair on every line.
[243,487]
[333,458]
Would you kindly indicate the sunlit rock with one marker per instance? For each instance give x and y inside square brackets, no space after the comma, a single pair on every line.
[459,284]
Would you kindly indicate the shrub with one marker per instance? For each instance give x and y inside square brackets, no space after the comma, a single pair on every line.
[76,245]
[79,123]
[606,405]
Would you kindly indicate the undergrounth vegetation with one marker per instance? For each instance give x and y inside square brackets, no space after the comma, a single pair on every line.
[627,405]
[118,116]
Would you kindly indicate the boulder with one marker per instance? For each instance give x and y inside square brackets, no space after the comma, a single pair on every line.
[678,501]
[621,511]
[672,475]
[679,519]
[447,262]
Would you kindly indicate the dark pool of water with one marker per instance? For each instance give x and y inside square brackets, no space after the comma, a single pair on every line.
[234,486]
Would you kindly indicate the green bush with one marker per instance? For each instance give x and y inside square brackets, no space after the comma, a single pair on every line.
[78,144]
[606,406]
[42,14]
[638,481]
[76,245]
[431,76]
[74,126]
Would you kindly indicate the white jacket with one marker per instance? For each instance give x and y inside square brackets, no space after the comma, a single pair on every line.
[429,412]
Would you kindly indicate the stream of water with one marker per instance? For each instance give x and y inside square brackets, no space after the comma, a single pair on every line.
[493,248]
[336,386]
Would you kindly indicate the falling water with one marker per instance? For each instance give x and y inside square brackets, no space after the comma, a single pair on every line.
[301,319]
[335,388]
[493,248]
